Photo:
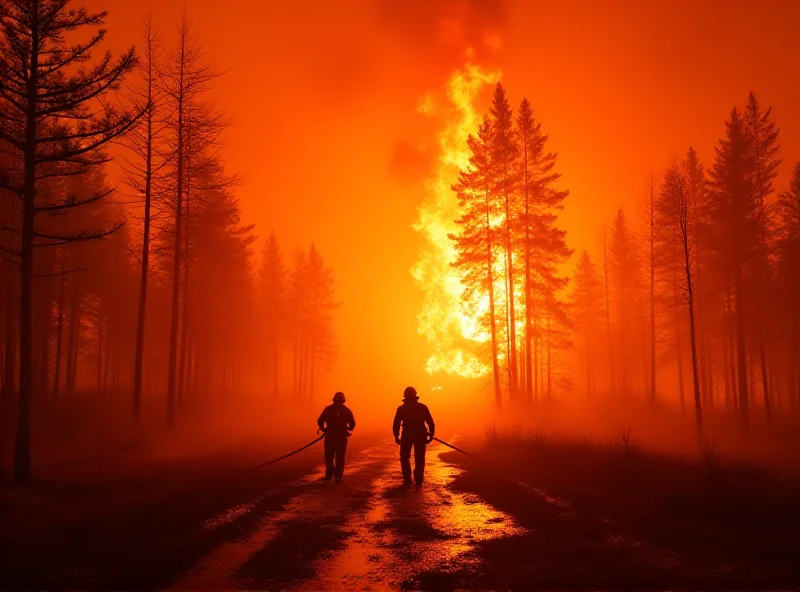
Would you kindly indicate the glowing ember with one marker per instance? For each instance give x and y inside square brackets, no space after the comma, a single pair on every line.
[451,326]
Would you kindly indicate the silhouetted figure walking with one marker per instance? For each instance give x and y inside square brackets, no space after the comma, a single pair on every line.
[337,422]
[413,416]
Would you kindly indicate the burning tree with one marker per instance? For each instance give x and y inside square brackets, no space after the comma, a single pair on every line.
[505,228]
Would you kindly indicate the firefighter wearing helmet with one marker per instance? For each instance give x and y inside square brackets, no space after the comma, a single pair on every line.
[417,432]
[337,422]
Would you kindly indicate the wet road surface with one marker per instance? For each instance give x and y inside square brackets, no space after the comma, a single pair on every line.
[476,524]
[368,532]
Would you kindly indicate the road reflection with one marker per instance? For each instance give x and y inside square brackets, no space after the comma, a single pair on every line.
[407,530]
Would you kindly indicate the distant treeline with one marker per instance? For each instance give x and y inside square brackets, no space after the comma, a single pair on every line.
[695,301]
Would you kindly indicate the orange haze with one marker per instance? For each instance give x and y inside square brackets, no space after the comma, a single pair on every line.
[326,132]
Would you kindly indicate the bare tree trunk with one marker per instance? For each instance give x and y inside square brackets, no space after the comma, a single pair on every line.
[512,318]
[535,313]
[741,353]
[184,352]
[100,350]
[549,366]
[684,226]
[22,446]
[295,364]
[612,377]
[765,377]
[108,358]
[44,359]
[302,382]
[138,363]
[196,384]
[74,336]
[725,358]
[498,395]
[312,372]
[10,353]
[695,373]
[528,288]
[679,356]
[652,291]
[276,365]
[61,290]
[730,322]
[177,254]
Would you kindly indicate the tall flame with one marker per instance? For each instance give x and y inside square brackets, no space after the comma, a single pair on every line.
[451,326]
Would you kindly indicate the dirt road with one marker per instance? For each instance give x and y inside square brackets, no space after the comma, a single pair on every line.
[367,532]
[204,527]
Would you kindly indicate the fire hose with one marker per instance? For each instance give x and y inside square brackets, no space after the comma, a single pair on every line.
[280,458]
[456,448]
[285,456]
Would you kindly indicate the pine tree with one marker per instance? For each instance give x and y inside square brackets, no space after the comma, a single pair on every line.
[273,303]
[475,242]
[587,310]
[789,281]
[220,274]
[140,169]
[543,245]
[312,297]
[321,305]
[609,334]
[41,83]
[698,197]
[185,77]
[624,269]
[675,213]
[504,151]
[765,148]
[651,238]
[734,210]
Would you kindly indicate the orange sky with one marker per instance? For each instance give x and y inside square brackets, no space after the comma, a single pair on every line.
[323,98]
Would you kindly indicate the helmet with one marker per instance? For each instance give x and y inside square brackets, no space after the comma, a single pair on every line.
[410,393]
[339,397]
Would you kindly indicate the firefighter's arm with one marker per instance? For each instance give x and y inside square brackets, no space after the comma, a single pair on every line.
[321,421]
[429,421]
[396,425]
[351,422]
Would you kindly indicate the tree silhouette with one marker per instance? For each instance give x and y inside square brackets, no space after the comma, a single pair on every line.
[504,151]
[185,77]
[273,304]
[141,167]
[764,146]
[476,239]
[56,117]
[734,209]
[587,310]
